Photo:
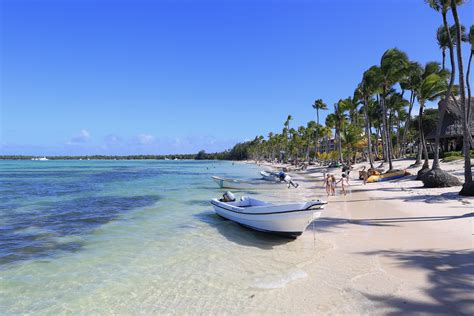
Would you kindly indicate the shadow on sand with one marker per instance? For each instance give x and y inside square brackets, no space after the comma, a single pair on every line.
[451,282]
[240,234]
[426,198]
[325,224]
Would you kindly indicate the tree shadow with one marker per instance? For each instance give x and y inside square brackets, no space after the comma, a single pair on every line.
[239,234]
[426,198]
[451,282]
[325,224]
[328,224]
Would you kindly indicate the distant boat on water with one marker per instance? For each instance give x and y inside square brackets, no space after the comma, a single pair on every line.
[39,158]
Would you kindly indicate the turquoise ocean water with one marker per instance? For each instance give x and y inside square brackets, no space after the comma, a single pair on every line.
[132,237]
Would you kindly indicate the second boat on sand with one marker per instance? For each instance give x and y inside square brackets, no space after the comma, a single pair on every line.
[230,183]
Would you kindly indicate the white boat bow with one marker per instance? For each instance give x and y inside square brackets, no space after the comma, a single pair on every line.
[290,219]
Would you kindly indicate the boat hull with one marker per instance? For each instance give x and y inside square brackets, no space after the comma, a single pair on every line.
[269,176]
[245,185]
[290,223]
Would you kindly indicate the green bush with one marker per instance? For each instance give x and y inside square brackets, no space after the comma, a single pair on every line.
[452,158]
[452,154]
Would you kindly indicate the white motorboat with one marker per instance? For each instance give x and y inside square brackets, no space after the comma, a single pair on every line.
[40,159]
[239,184]
[270,176]
[289,220]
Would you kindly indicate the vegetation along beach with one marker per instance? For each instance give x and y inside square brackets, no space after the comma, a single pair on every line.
[238,157]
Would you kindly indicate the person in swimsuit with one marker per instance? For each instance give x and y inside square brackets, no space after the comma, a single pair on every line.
[333,185]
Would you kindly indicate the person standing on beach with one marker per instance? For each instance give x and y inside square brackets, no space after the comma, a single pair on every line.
[327,183]
[346,169]
[343,185]
[286,178]
[333,185]
[364,175]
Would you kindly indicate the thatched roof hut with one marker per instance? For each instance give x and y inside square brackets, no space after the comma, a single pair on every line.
[452,123]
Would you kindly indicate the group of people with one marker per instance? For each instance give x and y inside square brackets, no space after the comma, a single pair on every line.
[330,181]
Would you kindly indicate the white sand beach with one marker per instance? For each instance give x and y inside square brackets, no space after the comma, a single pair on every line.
[385,248]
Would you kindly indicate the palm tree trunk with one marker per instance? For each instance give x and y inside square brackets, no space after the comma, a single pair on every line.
[407,124]
[443,51]
[464,105]
[367,133]
[426,164]
[398,135]
[386,136]
[339,141]
[468,73]
[418,154]
[317,133]
[390,133]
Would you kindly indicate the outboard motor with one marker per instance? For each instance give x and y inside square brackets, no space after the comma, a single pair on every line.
[228,197]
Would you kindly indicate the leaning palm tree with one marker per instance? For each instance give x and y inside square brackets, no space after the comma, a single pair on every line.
[471,41]
[443,7]
[393,68]
[468,187]
[318,105]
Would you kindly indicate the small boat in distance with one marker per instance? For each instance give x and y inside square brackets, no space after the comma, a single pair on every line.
[289,220]
[230,183]
[40,158]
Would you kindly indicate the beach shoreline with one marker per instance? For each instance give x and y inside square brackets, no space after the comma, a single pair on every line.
[391,247]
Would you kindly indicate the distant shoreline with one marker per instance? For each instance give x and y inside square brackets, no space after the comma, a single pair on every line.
[101,157]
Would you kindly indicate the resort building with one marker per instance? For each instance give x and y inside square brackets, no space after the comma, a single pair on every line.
[451,130]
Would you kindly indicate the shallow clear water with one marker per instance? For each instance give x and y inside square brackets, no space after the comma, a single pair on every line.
[132,237]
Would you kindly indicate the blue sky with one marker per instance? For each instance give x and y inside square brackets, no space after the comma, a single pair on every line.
[156,77]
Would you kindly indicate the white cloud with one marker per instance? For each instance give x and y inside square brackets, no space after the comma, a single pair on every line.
[83,137]
[112,139]
[145,139]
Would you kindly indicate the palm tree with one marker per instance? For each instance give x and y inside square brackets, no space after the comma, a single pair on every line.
[471,41]
[326,133]
[442,36]
[367,88]
[352,136]
[393,68]
[310,131]
[468,187]
[337,120]
[396,107]
[286,130]
[431,88]
[411,82]
[443,43]
[318,105]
